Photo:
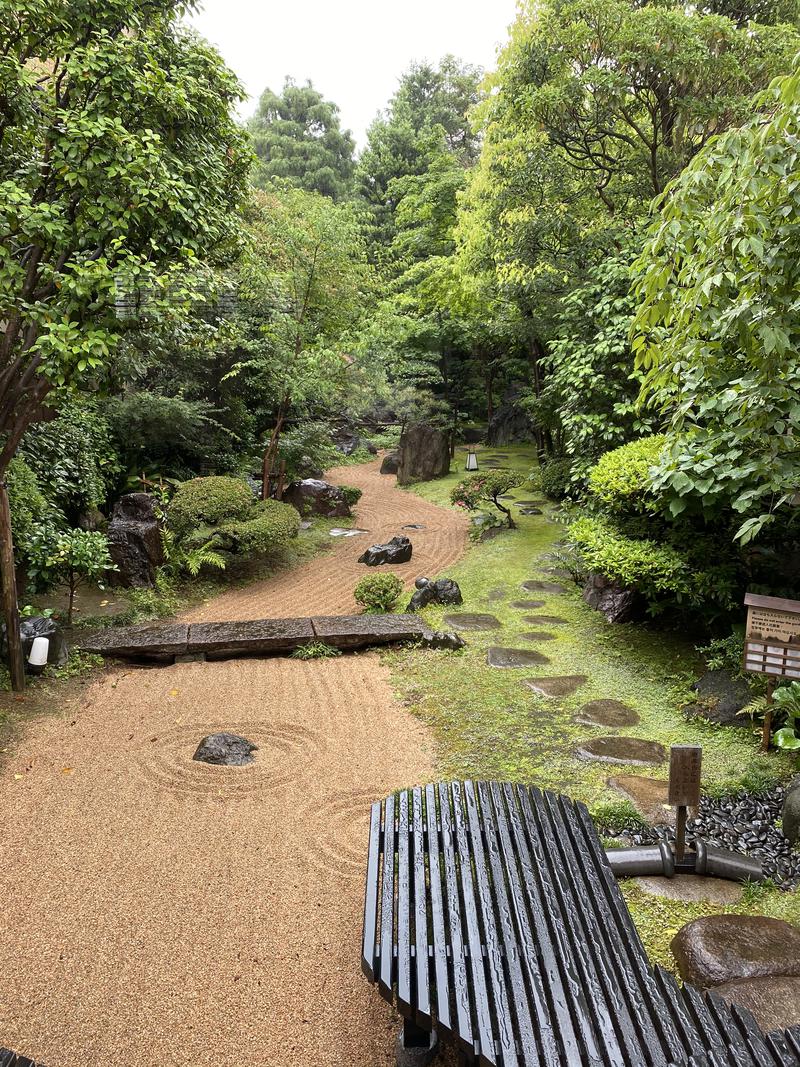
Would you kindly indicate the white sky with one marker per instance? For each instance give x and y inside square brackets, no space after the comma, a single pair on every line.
[354,51]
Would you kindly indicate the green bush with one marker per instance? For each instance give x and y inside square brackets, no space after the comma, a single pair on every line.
[378,593]
[486,487]
[208,502]
[351,494]
[270,525]
[307,448]
[556,478]
[29,508]
[621,478]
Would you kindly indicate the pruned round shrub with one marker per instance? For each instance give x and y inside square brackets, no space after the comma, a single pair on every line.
[621,478]
[555,478]
[378,593]
[208,502]
[352,495]
[270,525]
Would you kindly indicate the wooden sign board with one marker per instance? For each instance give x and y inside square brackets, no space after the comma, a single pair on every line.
[772,636]
[685,763]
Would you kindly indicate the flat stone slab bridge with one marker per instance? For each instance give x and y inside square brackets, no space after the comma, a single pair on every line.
[181,641]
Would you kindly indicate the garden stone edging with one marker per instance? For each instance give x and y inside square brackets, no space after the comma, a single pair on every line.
[264,637]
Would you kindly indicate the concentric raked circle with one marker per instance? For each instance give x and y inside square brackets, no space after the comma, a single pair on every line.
[285,750]
[338,833]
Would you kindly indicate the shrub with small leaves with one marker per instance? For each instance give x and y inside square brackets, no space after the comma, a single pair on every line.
[208,502]
[487,487]
[556,478]
[351,494]
[378,593]
[621,479]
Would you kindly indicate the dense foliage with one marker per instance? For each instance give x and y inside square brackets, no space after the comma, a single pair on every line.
[378,593]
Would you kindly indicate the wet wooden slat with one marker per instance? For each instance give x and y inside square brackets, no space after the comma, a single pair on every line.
[438,922]
[403,944]
[387,901]
[457,938]
[370,894]
[422,987]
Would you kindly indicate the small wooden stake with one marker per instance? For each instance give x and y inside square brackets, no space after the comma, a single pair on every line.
[766,733]
[8,581]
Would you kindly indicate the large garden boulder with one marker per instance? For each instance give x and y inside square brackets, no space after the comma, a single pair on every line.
[398,550]
[510,422]
[715,949]
[616,602]
[311,496]
[134,541]
[424,453]
[390,462]
[720,698]
[791,812]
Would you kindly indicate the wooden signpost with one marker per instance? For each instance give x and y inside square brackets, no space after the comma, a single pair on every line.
[772,645]
[685,764]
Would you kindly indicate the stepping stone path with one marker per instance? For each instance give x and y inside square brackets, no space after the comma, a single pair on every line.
[561,686]
[514,657]
[545,620]
[472,621]
[650,795]
[622,750]
[538,635]
[536,585]
[338,531]
[528,605]
[607,713]
[531,511]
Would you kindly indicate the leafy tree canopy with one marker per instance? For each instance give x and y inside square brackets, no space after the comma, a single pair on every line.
[297,136]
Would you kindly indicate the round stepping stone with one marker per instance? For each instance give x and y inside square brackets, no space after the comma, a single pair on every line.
[623,750]
[692,888]
[536,585]
[538,635]
[531,511]
[514,657]
[531,503]
[725,948]
[650,795]
[338,531]
[496,594]
[560,686]
[472,621]
[775,1002]
[528,605]
[607,713]
[545,620]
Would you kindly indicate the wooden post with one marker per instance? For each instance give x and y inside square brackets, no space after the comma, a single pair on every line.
[8,580]
[281,480]
[766,733]
[685,764]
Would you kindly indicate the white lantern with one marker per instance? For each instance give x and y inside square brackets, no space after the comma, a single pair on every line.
[472,462]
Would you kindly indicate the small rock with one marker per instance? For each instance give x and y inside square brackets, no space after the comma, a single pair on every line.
[438,639]
[528,605]
[693,887]
[353,531]
[537,635]
[398,550]
[721,695]
[314,497]
[225,750]
[545,620]
[539,586]
[724,948]
[650,795]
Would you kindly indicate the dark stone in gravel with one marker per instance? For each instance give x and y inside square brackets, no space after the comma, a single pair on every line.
[398,550]
[413,526]
[514,657]
[537,635]
[225,750]
[623,750]
[536,585]
[725,948]
[390,463]
[607,713]
[528,605]
[472,621]
[720,697]
[775,1002]
[545,620]
[561,686]
[441,591]
[744,824]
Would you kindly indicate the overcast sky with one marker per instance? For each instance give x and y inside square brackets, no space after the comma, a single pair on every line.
[353,51]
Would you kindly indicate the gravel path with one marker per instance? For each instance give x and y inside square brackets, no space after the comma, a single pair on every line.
[156,911]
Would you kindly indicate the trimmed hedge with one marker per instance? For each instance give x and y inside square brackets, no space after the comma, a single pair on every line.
[352,495]
[208,502]
[621,478]
[378,593]
[273,524]
[555,478]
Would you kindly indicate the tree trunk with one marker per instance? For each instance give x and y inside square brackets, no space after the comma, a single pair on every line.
[16,662]
[271,452]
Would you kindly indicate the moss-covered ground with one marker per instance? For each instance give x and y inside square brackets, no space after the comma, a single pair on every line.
[488,724]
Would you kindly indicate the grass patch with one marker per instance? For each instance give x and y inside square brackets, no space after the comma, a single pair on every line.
[488,724]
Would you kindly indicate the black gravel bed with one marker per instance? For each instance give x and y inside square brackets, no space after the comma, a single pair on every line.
[744,824]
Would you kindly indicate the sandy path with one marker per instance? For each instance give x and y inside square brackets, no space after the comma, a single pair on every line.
[325,585]
[157,912]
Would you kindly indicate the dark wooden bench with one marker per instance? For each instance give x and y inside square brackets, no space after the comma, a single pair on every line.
[13,1059]
[492,917]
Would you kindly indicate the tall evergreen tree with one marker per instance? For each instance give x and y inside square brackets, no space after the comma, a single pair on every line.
[298,136]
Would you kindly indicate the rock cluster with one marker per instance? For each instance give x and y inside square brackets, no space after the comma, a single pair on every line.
[398,550]
[441,591]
